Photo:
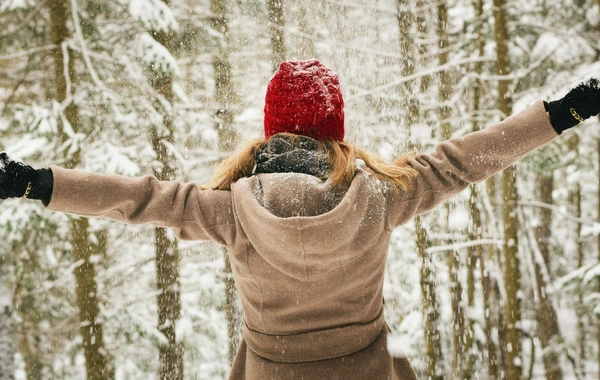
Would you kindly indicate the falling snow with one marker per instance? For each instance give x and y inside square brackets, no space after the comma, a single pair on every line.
[116,87]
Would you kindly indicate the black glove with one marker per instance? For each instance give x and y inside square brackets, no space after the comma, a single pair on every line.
[579,104]
[20,180]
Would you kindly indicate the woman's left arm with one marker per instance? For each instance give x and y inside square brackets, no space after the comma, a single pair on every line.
[458,162]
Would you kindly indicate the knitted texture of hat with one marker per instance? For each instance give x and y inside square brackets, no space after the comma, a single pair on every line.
[304,98]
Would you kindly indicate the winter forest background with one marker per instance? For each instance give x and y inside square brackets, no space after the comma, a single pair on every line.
[503,281]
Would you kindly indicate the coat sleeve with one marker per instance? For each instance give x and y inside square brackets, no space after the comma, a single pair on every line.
[192,213]
[458,162]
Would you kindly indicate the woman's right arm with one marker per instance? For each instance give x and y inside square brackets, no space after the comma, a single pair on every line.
[192,213]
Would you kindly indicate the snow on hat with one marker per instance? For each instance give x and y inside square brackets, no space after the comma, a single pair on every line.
[304,98]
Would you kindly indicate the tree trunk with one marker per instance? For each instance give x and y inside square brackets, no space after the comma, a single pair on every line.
[7,333]
[581,307]
[598,250]
[512,285]
[169,305]
[548,331]
[473,253]
[228,138]
[26,305]
[87,301]
[512,339]
[276,20]
[598,219]
[167,250]
[224,90]
[445,82]
[430,305]
[307,46]
[429,301]
[452,258]
[476,231]
[494,321]
[488,291]
[97,363]
[233,314]
[406,21]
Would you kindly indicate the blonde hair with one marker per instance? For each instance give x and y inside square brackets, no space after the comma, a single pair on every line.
[341,155]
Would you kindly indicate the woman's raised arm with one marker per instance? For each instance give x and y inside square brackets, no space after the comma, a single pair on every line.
[458,162]
[194,214]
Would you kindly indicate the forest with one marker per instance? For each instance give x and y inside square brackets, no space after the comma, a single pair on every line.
[499,282]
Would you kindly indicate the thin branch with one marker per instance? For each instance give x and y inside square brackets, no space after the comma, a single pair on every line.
[66,74]
[538,258]
[344,4]
[27,52]
[16,87]
[26,20]
[466,244]
[97,56]
[64,278]
[84,51]
[515,76]
[345,46]
[558,210]
[532,359]
[420,74]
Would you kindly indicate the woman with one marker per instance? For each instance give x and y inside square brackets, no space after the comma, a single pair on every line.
[307,218]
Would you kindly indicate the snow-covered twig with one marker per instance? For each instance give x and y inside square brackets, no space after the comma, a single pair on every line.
[344,4]
[26,20]
[420,74]
[354,47]
[549,286]
[537,257]
[67,127]
[466,244]
[558,210]
[66,276]
[514,76]
[97,56]
[27,52]
[84,52]
[66,73]
[10,96]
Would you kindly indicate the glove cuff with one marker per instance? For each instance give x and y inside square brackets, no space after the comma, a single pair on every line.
[562,118]
[41,187]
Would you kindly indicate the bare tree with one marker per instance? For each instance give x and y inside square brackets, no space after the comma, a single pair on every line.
[167,250]
[276,18]
[97,363]
[408,24]
[484,255]
[306,45]
[548,331]
[512,339]
[476,227]
[224,117]
[452,258]
[598,249]
[7,335]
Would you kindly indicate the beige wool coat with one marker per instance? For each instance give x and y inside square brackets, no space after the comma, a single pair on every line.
[308,260]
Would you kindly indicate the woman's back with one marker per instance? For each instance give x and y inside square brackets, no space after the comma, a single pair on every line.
[303,275]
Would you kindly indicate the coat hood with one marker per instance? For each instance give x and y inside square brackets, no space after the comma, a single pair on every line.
[303,226]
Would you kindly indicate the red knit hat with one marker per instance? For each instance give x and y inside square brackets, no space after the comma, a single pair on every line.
[304,98]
